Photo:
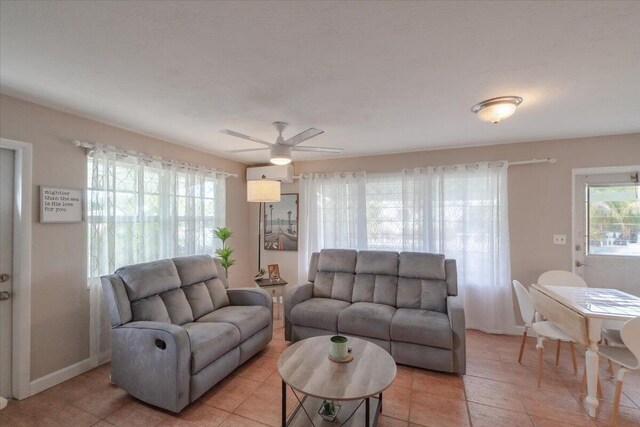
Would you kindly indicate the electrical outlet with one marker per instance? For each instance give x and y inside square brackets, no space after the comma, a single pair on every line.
[559,239]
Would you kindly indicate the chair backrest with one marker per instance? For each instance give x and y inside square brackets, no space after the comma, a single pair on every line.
[524,302]
[631,338]
[561,278]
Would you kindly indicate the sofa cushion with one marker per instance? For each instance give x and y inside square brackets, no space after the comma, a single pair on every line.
[366,319]
[377,288]
[209,341]
[149,278]
[320,313]
[377,262]
[334,278]
[177,306]
[249,319]
[218,293]
[418,265]
[150,309]
[338,260]
[195,269]
[423,294]
[199,299]
[422,327]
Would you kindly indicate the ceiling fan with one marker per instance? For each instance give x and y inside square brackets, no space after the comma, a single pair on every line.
[280,151]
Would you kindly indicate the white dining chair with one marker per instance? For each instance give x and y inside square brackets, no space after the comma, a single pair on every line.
[561,278]
[544,330]
[628,357]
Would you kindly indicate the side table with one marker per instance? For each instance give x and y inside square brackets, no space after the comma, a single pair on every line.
[276,288]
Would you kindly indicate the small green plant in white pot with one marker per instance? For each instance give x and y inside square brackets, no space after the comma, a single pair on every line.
[329,410]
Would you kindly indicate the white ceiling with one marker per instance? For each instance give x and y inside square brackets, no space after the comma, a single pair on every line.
[378,77]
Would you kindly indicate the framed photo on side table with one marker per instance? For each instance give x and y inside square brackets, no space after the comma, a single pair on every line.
[274,272]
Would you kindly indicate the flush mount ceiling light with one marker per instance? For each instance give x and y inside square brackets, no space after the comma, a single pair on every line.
[494,110]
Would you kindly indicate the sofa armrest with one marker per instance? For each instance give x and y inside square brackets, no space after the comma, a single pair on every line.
[152,361]
[455,311]
[295,296]
[250,296]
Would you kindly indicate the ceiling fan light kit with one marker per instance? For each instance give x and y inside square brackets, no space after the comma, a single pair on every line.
[495,110]
[280,151]
[280,154]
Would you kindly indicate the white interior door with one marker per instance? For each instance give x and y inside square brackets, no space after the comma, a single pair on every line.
[607,230]
[6,263]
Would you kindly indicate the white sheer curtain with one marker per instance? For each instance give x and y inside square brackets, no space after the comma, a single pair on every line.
[332,215]
[141,210]
[460,211]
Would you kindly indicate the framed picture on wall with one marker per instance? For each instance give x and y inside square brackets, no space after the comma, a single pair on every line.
[281,224]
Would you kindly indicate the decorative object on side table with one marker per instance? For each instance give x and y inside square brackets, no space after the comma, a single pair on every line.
[260,274]
[274,272]
[329,410]
[224,253]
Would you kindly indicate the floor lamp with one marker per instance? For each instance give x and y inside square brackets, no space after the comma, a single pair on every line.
[262,191]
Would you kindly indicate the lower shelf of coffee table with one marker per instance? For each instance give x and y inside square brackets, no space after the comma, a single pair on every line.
[298,417]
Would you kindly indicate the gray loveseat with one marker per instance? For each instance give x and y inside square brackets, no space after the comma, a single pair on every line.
[177,330]
[406,303]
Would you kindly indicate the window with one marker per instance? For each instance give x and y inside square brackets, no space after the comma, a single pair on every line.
[140,210]
[613,214]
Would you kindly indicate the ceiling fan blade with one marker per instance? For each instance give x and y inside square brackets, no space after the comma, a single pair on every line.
[243,136]
[247,150]
[303,136]
[318,149]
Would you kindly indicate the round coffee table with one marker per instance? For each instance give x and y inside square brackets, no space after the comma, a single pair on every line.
[306,368]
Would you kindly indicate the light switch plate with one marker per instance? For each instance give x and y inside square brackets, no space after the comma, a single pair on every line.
[559,239]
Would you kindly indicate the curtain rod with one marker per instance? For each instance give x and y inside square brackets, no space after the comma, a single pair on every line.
[518,163]
[144,156]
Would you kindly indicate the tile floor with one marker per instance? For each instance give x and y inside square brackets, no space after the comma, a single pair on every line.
[497,391]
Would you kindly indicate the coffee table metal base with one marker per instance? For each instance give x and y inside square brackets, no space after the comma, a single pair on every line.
[352,413]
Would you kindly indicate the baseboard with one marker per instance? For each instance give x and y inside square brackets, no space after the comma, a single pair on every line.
[60,376]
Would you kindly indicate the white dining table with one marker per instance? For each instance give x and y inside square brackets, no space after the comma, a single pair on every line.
[597,305]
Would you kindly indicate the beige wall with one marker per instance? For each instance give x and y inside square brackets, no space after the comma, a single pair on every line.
[539,206]
[539,194]
[60,300]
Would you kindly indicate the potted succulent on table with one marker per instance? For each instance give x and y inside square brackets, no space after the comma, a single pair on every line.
[329,410]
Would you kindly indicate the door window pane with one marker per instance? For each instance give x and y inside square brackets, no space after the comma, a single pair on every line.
[613,213]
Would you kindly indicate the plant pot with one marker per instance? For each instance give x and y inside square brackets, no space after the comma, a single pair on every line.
[325,411]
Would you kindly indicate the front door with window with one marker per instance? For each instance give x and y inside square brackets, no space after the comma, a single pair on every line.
[607,229]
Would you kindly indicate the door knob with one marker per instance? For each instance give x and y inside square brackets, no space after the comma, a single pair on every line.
[4,295]
[4,277]
[579,264]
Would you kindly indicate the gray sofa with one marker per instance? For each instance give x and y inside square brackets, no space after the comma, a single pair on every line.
[406,303]
[177,330]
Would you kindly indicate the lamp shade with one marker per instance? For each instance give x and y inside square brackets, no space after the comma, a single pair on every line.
[263,191]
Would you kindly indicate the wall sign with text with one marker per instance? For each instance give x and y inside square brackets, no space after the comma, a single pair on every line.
[60,204]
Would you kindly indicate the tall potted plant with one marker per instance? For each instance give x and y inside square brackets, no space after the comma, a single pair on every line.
[224,233]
